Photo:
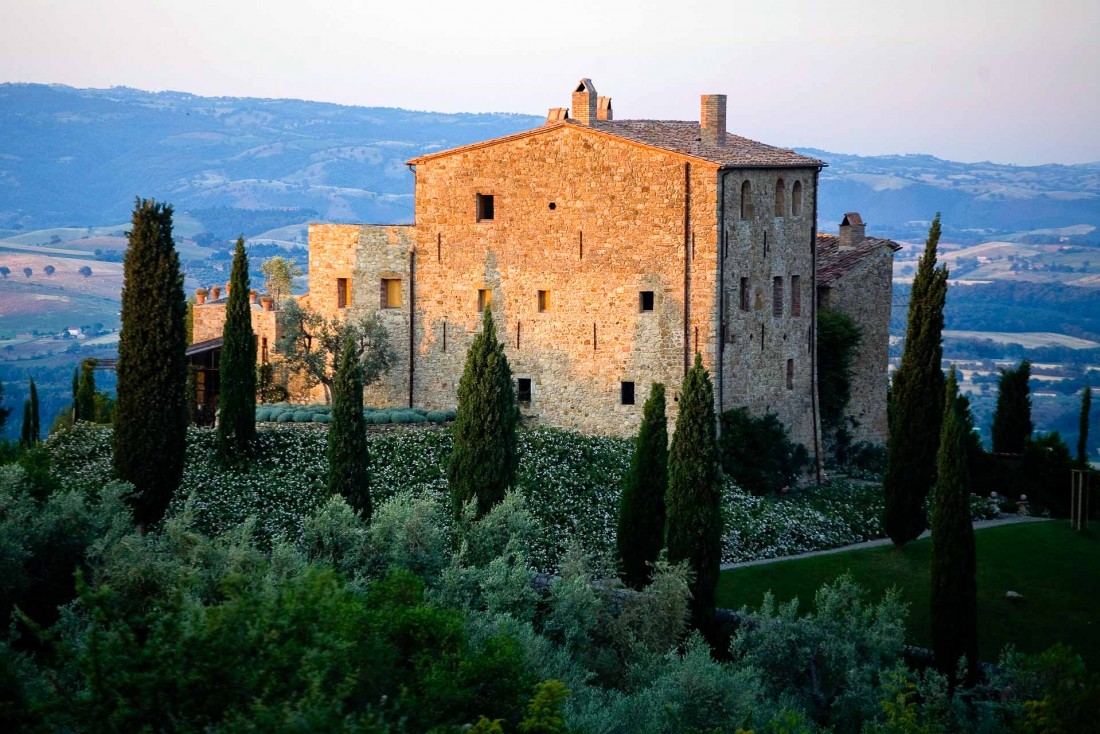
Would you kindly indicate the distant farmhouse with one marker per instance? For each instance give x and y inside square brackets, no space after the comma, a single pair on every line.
[610,253]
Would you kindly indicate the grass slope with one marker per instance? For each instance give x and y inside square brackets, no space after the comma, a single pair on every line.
[1056,569]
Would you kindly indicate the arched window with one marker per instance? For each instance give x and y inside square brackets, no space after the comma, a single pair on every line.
[746,200]
[780,198]
[796,199]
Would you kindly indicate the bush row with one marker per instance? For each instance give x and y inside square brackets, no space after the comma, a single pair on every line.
[321,413]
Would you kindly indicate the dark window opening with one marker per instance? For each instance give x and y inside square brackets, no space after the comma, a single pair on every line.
[796,199]
[745,296]
[553,206]
[343,293]
[746,200]
[626,393]
[645,301]
[780,198]
[391,293]
[544,301]
[796,295]
[790,374]
[523,390]
[263,350]
[485,207]
[777,296]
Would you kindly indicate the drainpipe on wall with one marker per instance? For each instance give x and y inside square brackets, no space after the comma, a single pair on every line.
[412,318]
[813,330]
[687,267]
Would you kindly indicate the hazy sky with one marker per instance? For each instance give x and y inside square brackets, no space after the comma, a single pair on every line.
[1012,81]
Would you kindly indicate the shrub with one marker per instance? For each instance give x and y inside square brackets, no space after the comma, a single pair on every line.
[758,452]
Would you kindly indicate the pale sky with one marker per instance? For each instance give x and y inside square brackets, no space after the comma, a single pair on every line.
[1013,81]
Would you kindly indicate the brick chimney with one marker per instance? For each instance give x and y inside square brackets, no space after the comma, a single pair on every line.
[852,230]
[584,102]
[557,114]
[215,292]
[200,296]
[603,108]
[712,119]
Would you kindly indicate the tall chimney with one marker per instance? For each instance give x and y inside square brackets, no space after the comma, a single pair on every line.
[603,108]
[584,102]
[852,230]
[712,119]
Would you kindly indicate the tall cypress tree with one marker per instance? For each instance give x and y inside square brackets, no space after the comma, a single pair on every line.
[1083,427]
[483,462]
[237,406]
[348,454]
[1012,417]
[35,429]
[151,412]
[25,428]
[916,407]
[954,587]
[4,412]
[85,392]
[693,528]
[642,504]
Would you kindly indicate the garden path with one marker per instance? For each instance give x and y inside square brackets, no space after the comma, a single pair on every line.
[979,525]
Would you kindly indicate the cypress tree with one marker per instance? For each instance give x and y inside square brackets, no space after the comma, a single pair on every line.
[76,390]
[642,504]
[1083,427]
[25,427]
[348,454]
[1012,418]
[191,393]
[4,412]
[237,406]
[916,407]
[693,528]
[85,393]
[954,597]
[35,427]
[151,413]
[483,461]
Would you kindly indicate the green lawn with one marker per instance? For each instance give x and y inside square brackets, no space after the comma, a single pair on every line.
[1056,569]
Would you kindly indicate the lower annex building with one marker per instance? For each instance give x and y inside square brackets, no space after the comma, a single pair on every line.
[610,252]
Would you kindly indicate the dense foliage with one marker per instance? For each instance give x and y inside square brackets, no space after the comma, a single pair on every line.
[1082,431]
[693,525]
[348,456]
[151,413]
[838,338]
[84,407]
[640,535]
[954,598]
[1012,425]
[916,401]
[279,274]
[237,366]
[757,452]
[483,462]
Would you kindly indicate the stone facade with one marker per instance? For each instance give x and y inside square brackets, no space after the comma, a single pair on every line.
[610,252]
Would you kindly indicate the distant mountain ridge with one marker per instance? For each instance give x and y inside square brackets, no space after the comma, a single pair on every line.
[77,157]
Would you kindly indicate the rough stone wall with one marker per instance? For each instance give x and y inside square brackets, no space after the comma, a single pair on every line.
[759,343]
[594,221]
[864,293]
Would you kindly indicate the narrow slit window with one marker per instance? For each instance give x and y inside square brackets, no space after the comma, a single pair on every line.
[486,208]
[523,390]
[790,374]
[391,293]
[746,200]
[645,301]
[777,296]
[745,297]
[626,393]
[796,295]
[796,199]
[484,299]
[780,198]
[544,301]
[263,350]
[343,292]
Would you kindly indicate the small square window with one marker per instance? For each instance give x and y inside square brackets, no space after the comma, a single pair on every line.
[626,393]
[484,299]
[485,207]
[523,390]
[391,293]
[343,292]
[544,301]
[645,301]
[745,297]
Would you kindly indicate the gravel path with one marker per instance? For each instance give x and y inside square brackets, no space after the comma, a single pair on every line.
[979,525]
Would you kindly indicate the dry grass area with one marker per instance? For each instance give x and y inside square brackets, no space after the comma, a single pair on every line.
[1027,339]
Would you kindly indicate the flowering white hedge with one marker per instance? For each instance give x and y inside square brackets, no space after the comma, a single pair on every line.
[571,484]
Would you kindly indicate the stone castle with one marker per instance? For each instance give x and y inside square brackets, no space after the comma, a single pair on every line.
[610,253]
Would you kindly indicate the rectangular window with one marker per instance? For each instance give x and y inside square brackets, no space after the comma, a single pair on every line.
[485,207]
[523,390]
[626,393]
[544,301]
[391,293]
[645,301]
[745,294]
[343,292]
[263,350]
[484,299]
[790,374]
[796,295]
[777,296]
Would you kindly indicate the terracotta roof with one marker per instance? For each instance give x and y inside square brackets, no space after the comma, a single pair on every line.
[833,263]
[675,136]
